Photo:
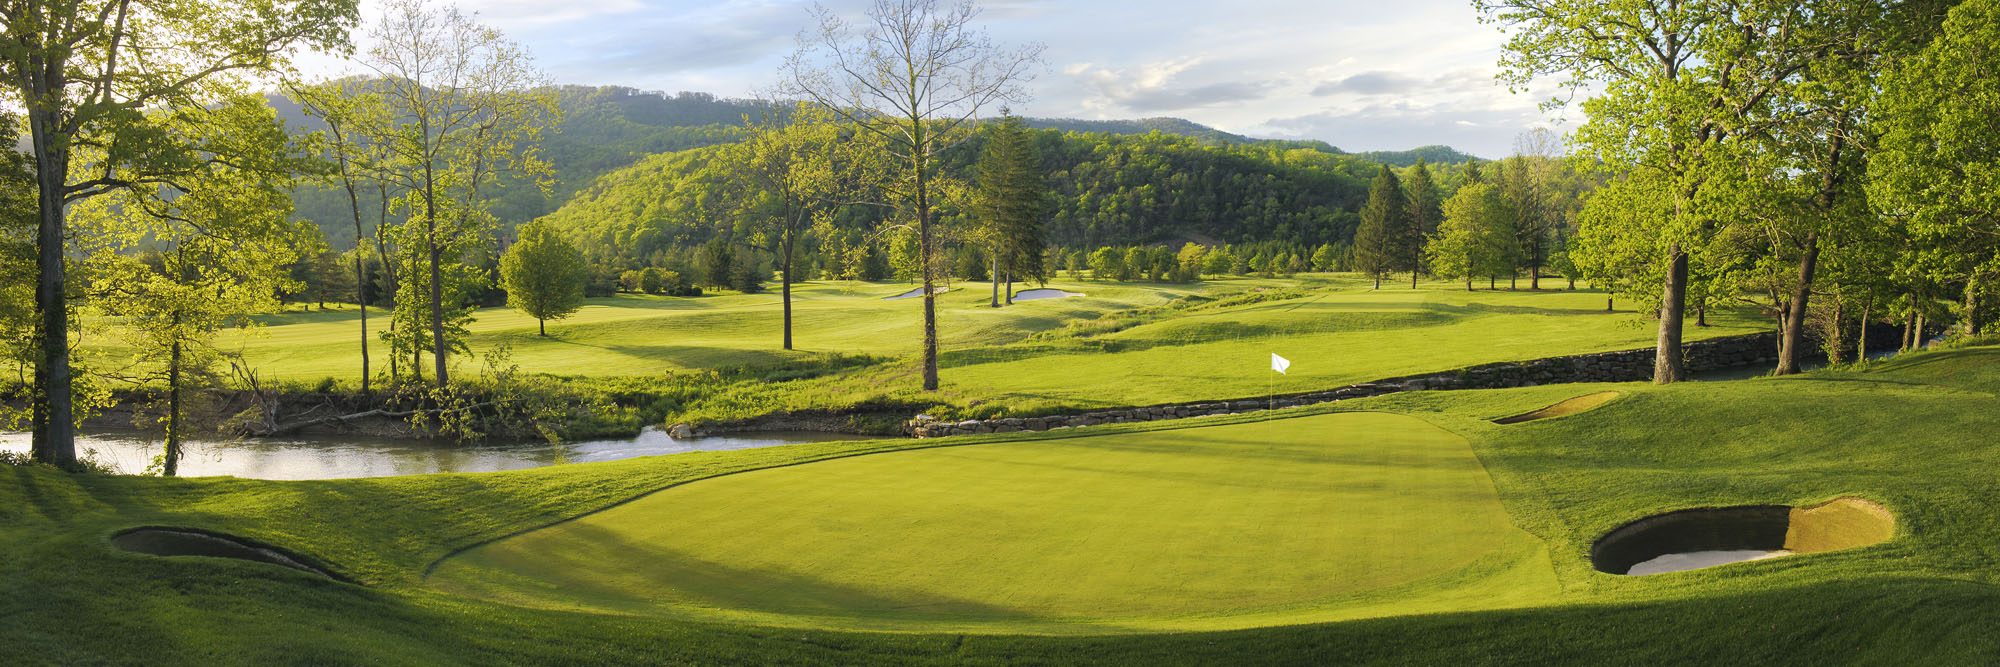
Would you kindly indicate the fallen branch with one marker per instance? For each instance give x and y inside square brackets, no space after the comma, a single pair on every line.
[377,413]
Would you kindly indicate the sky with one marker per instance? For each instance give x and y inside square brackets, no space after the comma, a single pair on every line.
[1367,75]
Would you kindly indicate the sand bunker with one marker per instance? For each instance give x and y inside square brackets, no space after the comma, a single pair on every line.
[1694,538]
[191,542]
[1569,407]
[1046,293]
[916,293]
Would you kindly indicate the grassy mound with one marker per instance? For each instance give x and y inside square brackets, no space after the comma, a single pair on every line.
[1563,409]
[1842,523]
[1197,527]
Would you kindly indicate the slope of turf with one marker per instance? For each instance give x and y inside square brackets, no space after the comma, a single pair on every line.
[1221,526]
[1911,434]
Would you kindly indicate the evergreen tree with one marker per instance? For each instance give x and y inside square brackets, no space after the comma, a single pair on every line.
[543,275]
[1379,244]
[1011,204]
[1425,213]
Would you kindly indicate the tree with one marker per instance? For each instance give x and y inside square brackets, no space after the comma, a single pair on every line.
[341,103]
[543,275]
[1379,245]
[86,74]
[915,76]
[1191,259]
[1011,202]
[461,106]
[217,240]
[792,170]
[1107,264]
[1424,216]
[1474,239]
[1680,80]
[1935,172]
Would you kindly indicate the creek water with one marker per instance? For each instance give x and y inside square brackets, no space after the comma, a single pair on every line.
[1695,560]
[336,457]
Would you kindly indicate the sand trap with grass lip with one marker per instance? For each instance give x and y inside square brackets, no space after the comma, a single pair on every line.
[1775,530]
[157,541]
[1044,293]
[1563,409]
[916,293]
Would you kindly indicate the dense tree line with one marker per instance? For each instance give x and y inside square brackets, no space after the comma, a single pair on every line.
[1825,160]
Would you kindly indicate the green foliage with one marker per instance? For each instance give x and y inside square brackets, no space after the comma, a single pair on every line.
[1381,244]
[543,274]
[1011,201]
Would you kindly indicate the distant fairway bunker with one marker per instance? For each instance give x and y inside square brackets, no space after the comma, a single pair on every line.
[1044,293]
[1313,518]
[1748,532]
[916,293]
[158,541]
[1563,409]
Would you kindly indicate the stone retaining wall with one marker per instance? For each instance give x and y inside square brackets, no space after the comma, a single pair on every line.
[1619,366]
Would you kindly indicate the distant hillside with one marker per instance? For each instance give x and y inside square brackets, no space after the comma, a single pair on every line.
[1173,126]
[1430,154]
[607,129]
[602,130]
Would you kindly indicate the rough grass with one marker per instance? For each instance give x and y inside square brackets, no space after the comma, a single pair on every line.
[1910,434]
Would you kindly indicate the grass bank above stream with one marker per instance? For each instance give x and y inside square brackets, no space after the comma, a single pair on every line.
[1911,434]
[716,359]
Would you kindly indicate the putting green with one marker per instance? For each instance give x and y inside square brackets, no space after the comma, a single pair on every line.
[1331,516]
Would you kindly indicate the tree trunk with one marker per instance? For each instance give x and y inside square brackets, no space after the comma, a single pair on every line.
[1010,285]
[56,443]
[1795,312]
[1607,304]
[1921,342]
[993,270]
[1971,323]
[1701,314]
[1861,342]
[785,287]
[1492,282]
[1378,281]
[1668,366]
[542,327]
[438,351]
[1413,279]
[1910,325]
[170,464]
[918,159]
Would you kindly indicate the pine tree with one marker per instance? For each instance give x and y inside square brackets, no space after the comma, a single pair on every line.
[1425,214]
[1379,243]
[1012,204]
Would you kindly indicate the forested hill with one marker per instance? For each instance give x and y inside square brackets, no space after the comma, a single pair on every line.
[603,129]
[1118,181]
[1107,189]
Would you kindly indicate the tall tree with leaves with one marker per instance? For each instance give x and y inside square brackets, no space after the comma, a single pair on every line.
[1381,244]
[915,75]
[1475,239]
[342,104]
[87,73]
[218,239]
[1680,80]
[460,106]
[1011,204]
[1937,173]
[543,274]
[1426,211]
[790,175]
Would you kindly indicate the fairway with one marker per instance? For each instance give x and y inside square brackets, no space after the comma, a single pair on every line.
[1224,526]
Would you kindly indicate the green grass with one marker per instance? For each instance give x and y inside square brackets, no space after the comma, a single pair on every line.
[1040,356]
[1913,434]
[1214,527]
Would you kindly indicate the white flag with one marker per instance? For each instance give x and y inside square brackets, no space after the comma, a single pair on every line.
[1279,364]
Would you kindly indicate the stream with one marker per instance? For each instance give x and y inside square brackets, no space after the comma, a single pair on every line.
[338,457]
